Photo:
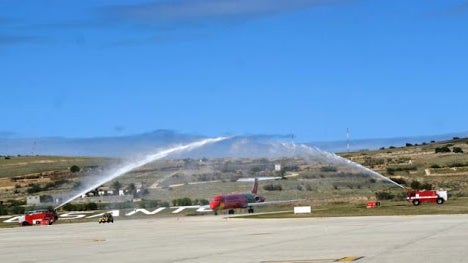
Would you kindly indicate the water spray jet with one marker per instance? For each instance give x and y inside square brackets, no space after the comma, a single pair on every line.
[147,159]
[342,159]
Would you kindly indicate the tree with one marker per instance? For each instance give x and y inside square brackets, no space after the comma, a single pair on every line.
[116,186]
[75,168]
[131,189]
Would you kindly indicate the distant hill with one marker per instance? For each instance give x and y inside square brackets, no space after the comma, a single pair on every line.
[125,146]
[98,146]
[373,144]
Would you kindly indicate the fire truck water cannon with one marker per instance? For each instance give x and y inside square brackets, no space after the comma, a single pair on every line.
[417,197]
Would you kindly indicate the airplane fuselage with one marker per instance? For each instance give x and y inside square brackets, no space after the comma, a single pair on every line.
[232,201]
[237,201]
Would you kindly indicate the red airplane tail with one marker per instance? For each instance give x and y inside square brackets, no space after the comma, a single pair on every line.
[255,187]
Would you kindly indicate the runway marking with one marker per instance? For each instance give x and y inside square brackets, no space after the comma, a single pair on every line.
[299,261]
[348,259]
[144,211]
[97,240]
[259,234]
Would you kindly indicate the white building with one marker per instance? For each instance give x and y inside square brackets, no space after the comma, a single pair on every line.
[33,200]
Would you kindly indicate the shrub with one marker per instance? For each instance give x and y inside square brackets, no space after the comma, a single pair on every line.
[384,195]
[272,187]
[90,206]
[34,189]
[69,207]
[182,202]
[3,210]
[457,164]
[392,170]
[368,161]
[415,185]
[443,149]
[426,186]
[148,203]
[457,150]
[328,169]
[16,210]
[400,181]
[75,168]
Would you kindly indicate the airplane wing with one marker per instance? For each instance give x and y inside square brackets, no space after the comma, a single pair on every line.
[265,178]
[274,202]
[199,208]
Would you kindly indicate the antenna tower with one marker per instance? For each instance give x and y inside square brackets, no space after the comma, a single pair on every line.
[347,139]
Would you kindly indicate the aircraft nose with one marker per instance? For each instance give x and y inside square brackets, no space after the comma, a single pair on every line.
[214,204]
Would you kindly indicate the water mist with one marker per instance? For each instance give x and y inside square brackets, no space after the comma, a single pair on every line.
[145,160]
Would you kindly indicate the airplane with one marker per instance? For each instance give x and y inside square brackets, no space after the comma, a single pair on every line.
[239,201]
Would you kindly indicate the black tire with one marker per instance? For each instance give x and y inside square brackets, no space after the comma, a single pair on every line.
[250,210]
[25,223]
[231,212]
[416,202]
[440,201]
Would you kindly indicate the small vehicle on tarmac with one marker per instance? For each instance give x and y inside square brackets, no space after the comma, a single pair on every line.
[106,218]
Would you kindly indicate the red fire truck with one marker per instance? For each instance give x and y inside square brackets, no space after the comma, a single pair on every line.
[38,217]
[426,196]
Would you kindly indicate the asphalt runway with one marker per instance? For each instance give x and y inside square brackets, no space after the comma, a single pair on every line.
[442,238]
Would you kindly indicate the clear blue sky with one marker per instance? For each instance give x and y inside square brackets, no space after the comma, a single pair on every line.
[313,68]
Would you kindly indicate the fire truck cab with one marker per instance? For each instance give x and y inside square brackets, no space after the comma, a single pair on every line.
[417,197]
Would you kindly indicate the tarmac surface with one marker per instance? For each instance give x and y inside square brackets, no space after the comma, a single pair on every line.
[441,238]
